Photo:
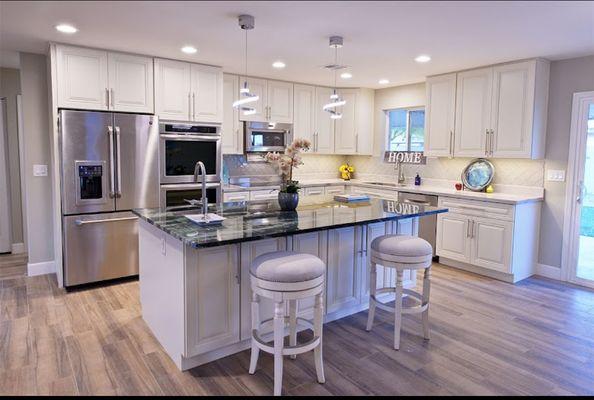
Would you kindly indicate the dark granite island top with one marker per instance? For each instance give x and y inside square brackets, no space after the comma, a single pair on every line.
[247,221]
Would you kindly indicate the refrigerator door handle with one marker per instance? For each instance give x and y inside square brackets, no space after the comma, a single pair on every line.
[111,164]
[119,161]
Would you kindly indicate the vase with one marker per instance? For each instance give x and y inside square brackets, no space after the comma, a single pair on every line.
[288,201]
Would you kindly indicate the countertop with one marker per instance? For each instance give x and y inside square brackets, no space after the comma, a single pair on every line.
[498,197]
[247,221]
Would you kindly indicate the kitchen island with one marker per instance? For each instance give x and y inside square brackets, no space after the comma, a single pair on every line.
[194,281]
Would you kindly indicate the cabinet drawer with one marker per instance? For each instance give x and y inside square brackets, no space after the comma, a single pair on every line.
[335,189]
[314,190]
[265,194]
[478,208]
[236,196]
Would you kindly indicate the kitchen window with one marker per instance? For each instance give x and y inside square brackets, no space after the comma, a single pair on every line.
[405,129]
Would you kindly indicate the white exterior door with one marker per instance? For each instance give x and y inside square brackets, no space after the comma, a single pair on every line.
[172,90]
[82,78]
[324,125]
[473,112]
[346,127]
[280,102]
[453,237]
[303,125]
[491,244]
[207,93]
[343,278]
[231,129]
[130,83]
[259,88]
[440,115]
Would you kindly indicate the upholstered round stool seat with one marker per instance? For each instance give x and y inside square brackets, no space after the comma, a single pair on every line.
[287,267]
[402,249]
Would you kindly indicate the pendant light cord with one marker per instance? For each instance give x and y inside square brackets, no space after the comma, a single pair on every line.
[246,55]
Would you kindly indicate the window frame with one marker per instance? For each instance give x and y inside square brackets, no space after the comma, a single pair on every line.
[408,133]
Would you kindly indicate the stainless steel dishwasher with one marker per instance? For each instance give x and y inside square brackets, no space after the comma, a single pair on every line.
[428,224]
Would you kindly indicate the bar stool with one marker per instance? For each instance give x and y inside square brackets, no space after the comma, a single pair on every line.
[285,276]
[402,253]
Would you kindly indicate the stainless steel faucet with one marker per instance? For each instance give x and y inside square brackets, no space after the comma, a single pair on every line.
[200,169]
[401,178]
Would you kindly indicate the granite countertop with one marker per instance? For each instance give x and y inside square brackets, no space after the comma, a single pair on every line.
[247,221]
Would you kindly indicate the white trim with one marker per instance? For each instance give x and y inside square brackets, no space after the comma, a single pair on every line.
[23,166]
[573,165]
[18,248]
[548,271]
[42,268]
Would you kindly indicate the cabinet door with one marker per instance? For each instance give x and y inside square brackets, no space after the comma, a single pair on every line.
[131,83]
[249,251]
[365,133]
[473,112]
[303,125]
[82,78]
[212,298]
[373,231]
[207,93]
[231,129]
[172,90]
[492,244]
[324,125]
[259,88]
[280,102]
[343,277]
[453,237]
[346,127]
[440,115]
[512,109]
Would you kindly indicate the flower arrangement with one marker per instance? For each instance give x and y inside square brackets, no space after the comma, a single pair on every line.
[286,162]
[345,171]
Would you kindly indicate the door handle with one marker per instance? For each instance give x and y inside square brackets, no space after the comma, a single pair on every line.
[119,162]
[111,163]
[80,222]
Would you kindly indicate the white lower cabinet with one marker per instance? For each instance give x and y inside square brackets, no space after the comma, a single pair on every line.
[453,236]
[343,275]
[492,244]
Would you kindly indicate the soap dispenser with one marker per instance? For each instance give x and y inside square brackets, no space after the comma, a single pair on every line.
[418,180]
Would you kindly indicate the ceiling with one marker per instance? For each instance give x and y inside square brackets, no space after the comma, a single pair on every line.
[381,38]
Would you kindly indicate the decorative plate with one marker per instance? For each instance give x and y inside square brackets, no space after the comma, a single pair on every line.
[478,174]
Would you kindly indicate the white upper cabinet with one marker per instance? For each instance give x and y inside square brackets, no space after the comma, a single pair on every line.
[473,112]
[303,117]
[172,89]
[324,125]
[82,78]
[440,115]
[259,88]
[231,129]
[130,83]
[207,93]
[346,127]
[280,102]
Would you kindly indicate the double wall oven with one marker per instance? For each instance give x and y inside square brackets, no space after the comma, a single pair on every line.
[181,146]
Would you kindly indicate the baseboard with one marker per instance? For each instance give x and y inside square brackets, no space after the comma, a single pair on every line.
[42,268]
[548,271]
[18,248]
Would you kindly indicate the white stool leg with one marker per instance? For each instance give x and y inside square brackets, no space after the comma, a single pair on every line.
[398,310]
[372,293]
[426,290]
[318,328]
[293,325]
[255,327]
[279,336]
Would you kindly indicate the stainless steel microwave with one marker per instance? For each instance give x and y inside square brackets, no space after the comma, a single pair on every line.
[182,145]
[267,136]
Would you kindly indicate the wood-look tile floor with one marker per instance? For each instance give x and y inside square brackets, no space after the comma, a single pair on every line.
[13,265]
[488,337]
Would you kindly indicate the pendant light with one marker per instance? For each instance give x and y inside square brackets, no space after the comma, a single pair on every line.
[335,100]
[246,22]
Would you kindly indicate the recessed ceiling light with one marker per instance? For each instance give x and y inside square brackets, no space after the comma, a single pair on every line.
[383,81]
[423,58]
[346,75]
[189,49]
[65,28]
[278,64]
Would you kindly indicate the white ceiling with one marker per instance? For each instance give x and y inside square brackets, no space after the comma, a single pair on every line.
[381,38]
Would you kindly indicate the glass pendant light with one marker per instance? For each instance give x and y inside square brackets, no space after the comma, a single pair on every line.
[335,100]
[246,22]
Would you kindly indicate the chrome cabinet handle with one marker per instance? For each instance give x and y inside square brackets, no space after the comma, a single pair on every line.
[473,228]
[80,222]
[356,142]
[486,142]
[451,143]
[468,228]
[189,105]
[492,141]
[107,97]
[111,97]
[194,105]
[119,161]
[111,166]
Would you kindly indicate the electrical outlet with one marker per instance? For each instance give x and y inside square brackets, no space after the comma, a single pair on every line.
[556,175]
[39,170]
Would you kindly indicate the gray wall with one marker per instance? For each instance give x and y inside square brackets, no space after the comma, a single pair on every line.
[36,146]
[10,87]
[567,77]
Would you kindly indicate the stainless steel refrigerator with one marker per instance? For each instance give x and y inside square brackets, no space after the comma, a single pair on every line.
[109,165]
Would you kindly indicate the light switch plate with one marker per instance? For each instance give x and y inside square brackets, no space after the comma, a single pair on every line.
[39,170]
[556,175]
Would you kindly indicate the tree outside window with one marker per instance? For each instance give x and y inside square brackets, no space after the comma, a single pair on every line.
[406,129]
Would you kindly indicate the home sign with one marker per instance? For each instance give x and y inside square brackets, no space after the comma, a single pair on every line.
[405,157]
